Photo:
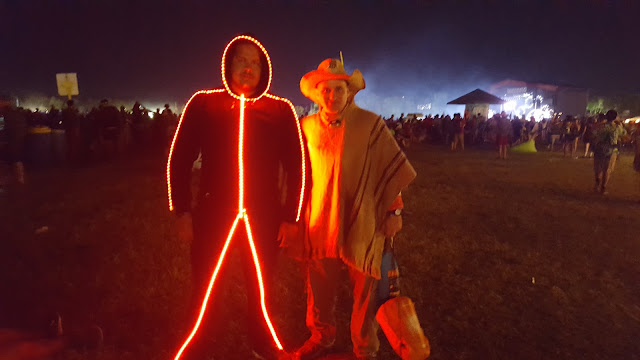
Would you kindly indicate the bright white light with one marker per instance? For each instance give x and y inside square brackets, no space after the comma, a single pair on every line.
[151,114]
[527,105]
[491,113]
[510,106]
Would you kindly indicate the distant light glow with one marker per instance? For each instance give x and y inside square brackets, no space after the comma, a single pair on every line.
[423,107]
[545,112]
[528,105]
[510,105]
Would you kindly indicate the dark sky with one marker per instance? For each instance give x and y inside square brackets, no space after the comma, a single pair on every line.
[161,50]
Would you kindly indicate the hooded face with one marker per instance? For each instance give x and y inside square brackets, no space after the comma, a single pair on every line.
[333,95]
[246,68]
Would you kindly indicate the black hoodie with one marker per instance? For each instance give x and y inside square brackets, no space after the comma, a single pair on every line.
[210,124]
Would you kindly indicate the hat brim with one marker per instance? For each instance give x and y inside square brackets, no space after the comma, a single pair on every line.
[310,81]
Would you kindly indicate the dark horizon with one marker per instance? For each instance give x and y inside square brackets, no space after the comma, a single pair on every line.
[164,52]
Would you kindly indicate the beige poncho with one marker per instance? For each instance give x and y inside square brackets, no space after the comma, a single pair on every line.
[357,171]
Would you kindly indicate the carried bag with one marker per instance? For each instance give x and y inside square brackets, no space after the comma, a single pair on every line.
[397,314]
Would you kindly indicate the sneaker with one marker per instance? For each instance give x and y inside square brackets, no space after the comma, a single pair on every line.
[311,350]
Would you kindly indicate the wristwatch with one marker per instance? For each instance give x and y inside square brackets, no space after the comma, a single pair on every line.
[396,212]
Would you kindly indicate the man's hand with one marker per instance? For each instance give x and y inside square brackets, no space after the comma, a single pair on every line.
[290,239]
[392,224]
[287,234]
[184,226]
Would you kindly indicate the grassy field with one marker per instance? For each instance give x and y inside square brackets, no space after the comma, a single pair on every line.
[514,259]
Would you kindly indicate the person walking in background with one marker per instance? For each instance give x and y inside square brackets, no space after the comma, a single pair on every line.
[109,128]
[587,136]
[159,128]
[447,130]
[605,150]
[566,138]
[71,124]
[458,132]
[572,132]
[636,158]
[555,131]
[503,131]
[15,123]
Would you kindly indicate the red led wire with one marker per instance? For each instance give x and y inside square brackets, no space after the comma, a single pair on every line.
[303,164]
[173,142]
[242,213]
[208,293]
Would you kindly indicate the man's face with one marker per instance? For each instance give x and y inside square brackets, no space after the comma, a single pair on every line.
[333,95]
[246,69]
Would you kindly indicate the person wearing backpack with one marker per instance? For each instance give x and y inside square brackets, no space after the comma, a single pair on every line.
[605,150]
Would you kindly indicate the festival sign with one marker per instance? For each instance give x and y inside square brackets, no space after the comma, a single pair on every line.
[67,84]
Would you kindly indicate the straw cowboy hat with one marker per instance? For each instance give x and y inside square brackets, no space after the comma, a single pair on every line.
[330,69]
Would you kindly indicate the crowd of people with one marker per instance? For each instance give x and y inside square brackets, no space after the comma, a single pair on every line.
[101,133]
[504,129]
[603,135]
[106,131]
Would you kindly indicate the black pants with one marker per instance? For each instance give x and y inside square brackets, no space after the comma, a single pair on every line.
[211,228]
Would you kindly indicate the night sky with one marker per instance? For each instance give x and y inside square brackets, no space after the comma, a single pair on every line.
[166,50]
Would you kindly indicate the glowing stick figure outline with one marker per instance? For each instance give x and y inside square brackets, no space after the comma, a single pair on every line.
[242,211]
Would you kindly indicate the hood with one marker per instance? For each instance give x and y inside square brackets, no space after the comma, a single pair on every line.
[265,73]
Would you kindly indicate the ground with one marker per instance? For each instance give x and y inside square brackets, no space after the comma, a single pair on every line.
[514,259]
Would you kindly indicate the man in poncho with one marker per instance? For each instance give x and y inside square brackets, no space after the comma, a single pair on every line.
[357,171]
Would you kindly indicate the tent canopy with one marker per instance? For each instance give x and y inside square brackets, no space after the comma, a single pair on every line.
[477,96]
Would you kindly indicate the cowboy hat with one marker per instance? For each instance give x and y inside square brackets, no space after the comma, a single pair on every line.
[330,69]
